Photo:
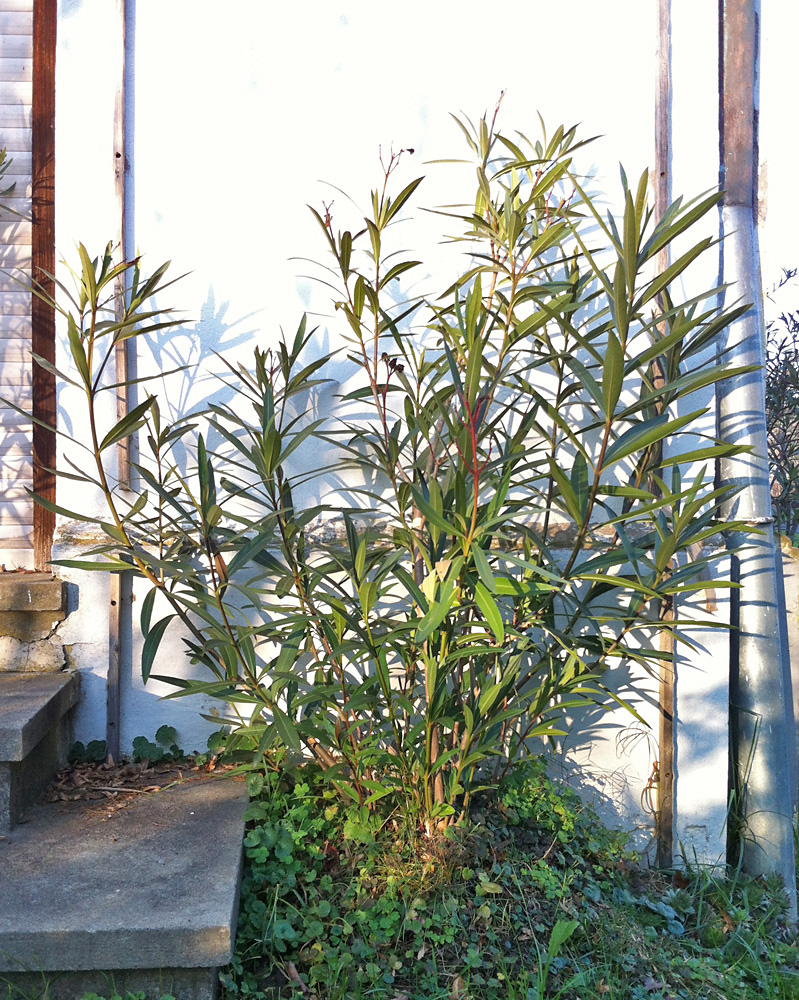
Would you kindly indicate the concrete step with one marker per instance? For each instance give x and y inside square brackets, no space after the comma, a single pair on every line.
[144,896]
[35,735]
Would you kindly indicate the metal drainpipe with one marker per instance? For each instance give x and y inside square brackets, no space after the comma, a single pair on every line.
[664,826]
[119,597]
[758,723]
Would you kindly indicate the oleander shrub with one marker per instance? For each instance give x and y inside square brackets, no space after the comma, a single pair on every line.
[507,527]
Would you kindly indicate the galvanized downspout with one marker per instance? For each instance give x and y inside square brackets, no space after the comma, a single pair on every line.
[758,723]
[664,824]
[119,596]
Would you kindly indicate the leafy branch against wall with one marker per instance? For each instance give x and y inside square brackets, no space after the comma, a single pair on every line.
[513,525]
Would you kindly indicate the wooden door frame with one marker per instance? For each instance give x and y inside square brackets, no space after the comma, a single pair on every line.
[43,392]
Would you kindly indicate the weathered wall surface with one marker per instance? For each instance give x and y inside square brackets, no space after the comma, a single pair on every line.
[32,605]
[779,92]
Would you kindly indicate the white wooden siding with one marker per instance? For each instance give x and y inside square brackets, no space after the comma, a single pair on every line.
[16,431]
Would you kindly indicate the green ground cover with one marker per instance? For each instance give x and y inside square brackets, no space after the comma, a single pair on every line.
[532,897]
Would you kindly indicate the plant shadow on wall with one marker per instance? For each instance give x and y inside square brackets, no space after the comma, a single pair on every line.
[782,414]
[188,363]
[518,531]
[15,423]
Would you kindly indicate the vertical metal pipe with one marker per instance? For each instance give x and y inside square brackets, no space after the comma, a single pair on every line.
[758,731]
[120,158]
[662,190]
[118,586]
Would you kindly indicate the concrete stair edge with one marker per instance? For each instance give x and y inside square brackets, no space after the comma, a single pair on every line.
[30,711]
[153,886]
[35,733]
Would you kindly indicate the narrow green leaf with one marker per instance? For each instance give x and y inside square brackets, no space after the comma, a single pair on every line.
[249,551]
[56,509]
[151,643]
[488,698]
[509,586]
[289,650]
[612,374]
[674,271]
[587,380]
[666,231]
[566,491]
[128,425]
[358,297]
[454,371]
[78,353]
[114,532]
[367,595]
[106,566]
[433,516]
[48,367]
[439,609]
[646,433]
[399,201]
[483,568]
[710,453]
[630,241]
[491,612]
[412,587]
[579,483]
[640,197]
[345,252]
[620,313]
[394,272]
[286,728]
[360,558]
[147,611]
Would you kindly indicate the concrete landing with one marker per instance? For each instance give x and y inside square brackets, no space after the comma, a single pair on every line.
[151,889]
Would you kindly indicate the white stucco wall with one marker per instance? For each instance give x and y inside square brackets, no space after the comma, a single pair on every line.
[239,115]
[779,146]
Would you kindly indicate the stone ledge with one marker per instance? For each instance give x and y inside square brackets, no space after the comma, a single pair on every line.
[30,592]
[29,626]
[150,886]
[31,705]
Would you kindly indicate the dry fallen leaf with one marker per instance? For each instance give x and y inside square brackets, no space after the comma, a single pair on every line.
[293,976]
[680,881]
[458,988]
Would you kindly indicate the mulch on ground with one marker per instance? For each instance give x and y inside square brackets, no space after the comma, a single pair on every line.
[115,786]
